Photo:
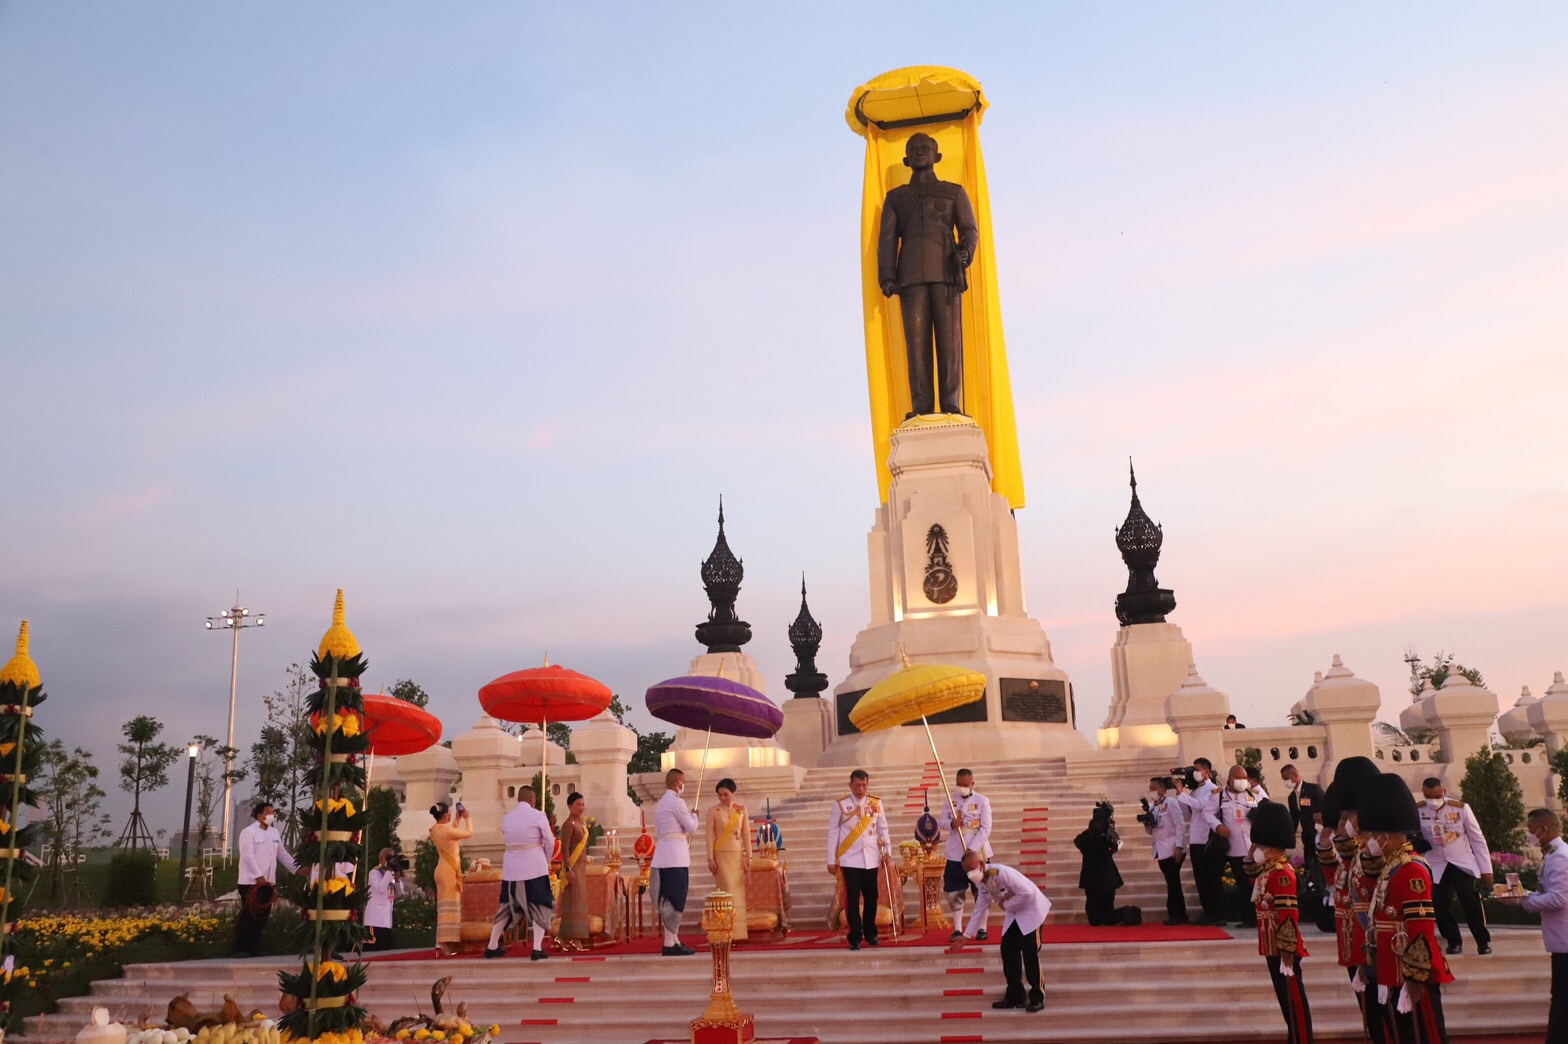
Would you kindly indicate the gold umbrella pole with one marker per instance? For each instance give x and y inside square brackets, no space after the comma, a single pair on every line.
[544,760]
[958,822]
[702,771]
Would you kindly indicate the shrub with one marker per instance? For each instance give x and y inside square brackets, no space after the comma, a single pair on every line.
[1493,793]
[381,822]
[425,859]
[133,878]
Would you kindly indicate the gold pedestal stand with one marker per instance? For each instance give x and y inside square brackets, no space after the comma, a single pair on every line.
[722,1023]
[925,865]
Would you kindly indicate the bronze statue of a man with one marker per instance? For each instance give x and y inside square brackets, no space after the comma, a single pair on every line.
[927,241]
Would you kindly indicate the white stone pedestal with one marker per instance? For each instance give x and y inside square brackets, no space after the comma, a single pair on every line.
[602,748]
[1148,662]
[1196,712]
[808,728]
[967,611]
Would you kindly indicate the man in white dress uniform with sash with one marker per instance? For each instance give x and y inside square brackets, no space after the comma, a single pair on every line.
[857,840]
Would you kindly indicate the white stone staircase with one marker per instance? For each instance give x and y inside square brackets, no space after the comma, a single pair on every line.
[1102,992]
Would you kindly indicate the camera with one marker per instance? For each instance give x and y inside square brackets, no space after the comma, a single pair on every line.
[1146,817]
[1104,812]
[1188,774]
[398,864]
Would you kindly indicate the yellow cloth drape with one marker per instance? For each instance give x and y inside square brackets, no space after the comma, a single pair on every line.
[921,93]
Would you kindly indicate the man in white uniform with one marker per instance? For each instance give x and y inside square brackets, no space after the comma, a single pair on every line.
[1167,828]
[1199,803]
[674,824]
[525,875]
[1459,857]
[1228,818]
[973,832]
[857,840]
[261,850]
[1025,907]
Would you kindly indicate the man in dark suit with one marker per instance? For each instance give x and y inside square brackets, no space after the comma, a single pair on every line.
[1305,799]
[926,242]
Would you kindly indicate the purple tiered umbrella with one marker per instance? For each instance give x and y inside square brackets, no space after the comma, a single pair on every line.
[716,704]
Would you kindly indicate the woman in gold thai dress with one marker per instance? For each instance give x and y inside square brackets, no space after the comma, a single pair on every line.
[729,850]
[574,868]
[447,834]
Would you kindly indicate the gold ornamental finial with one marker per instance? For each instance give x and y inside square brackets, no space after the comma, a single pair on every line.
[339,641]
[20,669]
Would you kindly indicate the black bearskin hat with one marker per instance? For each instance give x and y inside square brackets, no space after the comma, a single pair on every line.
[1271,826]
[1351,779]
[1388,807]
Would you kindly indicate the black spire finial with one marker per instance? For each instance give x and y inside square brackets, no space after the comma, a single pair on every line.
[805,637]
[722,572]
[1139,539]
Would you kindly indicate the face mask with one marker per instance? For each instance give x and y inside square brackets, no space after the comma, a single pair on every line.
[1238,785]
[1255,854]
[1156,797]
[1201,776]
[268,819]
[1434,802]
[964,792]
[1373,849]
[976,875]
[1532,840]
[680,788]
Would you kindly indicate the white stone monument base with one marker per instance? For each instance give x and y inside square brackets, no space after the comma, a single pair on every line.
[1148,663]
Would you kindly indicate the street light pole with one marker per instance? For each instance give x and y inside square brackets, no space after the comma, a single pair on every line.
[193,751]
[234,619]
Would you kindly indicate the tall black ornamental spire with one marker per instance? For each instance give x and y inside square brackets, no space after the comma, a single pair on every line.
[1139,540]
[723,631]
[805,637]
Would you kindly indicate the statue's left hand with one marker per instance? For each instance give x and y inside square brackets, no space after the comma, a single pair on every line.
[889,289]
[964,257]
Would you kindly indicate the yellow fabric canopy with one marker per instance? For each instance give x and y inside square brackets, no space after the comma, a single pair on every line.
[915,692]
[948,105]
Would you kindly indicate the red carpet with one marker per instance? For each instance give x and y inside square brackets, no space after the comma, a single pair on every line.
[1053,934]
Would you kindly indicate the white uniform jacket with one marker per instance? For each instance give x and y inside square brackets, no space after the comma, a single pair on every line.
[1022,903]
[866,850]
[1456,839]
[1200,806]
[529,844]
[261,850]
[1231,809]
[1169,832]
[674,824]
[974,813]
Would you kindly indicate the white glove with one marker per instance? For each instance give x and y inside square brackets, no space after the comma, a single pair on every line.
[1357,985]
[1287,967]
[1404,1006]
[1382,995]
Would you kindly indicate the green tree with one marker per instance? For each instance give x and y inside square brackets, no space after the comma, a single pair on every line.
[1434,674]
[382,817]
[1493,793]
[282,757]
[73,800]
[650,746]
[145,767]
[211,774]
[409,691]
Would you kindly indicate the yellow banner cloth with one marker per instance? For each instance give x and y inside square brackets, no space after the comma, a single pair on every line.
[947,105]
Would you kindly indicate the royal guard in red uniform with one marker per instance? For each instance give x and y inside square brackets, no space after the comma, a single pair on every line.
[1279,917]
[1354,879]
[1404,943]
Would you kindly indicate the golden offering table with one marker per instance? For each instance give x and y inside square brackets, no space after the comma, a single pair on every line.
[481,899]
[767,901]
[924,865]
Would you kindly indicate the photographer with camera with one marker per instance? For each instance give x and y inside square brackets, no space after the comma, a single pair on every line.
[386,886]
[1098,876]
[1200,798]
[1162,818]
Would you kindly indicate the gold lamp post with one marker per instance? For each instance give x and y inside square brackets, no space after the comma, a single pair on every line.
[722,1023]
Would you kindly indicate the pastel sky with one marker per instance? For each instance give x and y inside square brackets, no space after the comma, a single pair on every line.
[476,311]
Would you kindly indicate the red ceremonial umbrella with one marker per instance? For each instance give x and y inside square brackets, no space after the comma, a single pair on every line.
[397,727]
[540,695]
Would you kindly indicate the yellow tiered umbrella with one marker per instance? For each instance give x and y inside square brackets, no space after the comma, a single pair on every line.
[919,692]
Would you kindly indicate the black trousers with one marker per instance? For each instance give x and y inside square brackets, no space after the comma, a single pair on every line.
[1424,1025]
[860,886]
[1557,1021]
[248,926]
[1021,965]
[1240,898]
[1291,992]
[1372,1020]
[933,309]
[1456,883]
[1100,905]
[1206,875]
[1175,900]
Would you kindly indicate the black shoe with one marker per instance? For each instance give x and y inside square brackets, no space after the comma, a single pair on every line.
[873,942]
[538,955]
[854,946]
[1171,922]
[981,935]
[1483,950]
[1035,1006]
[1454,948]
[499,951]
[1005,1003]
[957,935]
[679,950]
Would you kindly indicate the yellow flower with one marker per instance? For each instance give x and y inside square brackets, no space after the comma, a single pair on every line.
[338,884]
[495,1029]
[332,968]
[421,1033]
[403,1034]
[438,1035]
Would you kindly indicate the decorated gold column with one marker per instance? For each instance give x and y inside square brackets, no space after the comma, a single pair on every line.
[21,748]
[722,1023]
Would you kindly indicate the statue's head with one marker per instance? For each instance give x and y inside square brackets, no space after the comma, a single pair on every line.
[920,152]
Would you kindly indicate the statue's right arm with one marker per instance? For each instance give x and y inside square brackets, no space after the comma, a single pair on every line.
[887,249]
